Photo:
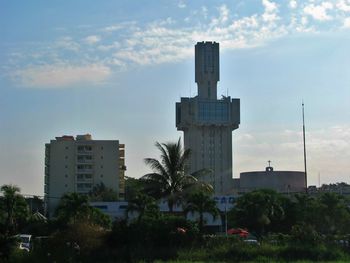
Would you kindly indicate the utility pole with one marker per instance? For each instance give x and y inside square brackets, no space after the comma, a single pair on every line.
[304,148]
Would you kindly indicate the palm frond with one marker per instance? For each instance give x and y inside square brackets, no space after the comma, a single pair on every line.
[156,166]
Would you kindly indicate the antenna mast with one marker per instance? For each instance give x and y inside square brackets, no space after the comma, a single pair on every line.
[304,148]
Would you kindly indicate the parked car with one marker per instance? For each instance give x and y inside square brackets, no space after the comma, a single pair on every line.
[25,242]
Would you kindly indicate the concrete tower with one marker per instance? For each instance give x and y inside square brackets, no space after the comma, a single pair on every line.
[207,122]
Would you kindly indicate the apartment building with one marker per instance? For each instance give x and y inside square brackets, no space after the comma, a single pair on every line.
[78,164]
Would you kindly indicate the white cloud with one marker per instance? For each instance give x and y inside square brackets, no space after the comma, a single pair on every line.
[93,39]
[245,22]
[319,12]
[67,43]
[344,5]
[112,28]
[54,76]
[269,6]
[181,4]
[223,16]
[293,4]
[170,40]
[105,48]
[270,13]
[346,22]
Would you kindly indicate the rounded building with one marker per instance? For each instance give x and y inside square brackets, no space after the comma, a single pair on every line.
[280,181]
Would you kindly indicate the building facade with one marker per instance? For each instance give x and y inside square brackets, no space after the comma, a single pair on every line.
[281,181]
[78,164]
[208,122]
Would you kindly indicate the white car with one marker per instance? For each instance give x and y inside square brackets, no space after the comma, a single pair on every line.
[25,243]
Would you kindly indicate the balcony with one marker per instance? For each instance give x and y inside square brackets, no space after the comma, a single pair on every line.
[47,170]
[84,160]
[84,149]
[84,180]
[84,187]
[84,171]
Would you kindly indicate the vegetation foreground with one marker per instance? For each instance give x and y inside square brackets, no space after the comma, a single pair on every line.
[293,228]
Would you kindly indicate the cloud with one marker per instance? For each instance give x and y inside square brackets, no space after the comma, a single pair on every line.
[112,28]
[269,6]
[54,76]
[328,150]
[181,4]
[93,39]
[293,4]
[344,5]
[67,43]
[106,48]
[223,16]
[346,22]
[121,45]
[270,13]
[319,12]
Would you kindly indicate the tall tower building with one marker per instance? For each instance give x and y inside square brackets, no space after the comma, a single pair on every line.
[78,164]
[208,122]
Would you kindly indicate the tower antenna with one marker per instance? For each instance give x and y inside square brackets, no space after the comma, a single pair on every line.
[304,147]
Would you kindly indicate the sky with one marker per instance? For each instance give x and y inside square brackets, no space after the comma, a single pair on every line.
[115,69]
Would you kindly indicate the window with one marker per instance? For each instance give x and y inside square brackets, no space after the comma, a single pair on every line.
[66,166]
[101,175]
[67,147]
[213,111]
[101,147]
[66,175]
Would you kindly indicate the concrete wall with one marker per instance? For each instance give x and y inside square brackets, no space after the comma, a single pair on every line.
[281,181]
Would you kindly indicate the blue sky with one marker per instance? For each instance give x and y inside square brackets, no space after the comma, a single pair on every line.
[116,68]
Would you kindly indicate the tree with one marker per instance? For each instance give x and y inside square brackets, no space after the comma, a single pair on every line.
[144,205]
[102,193]
[14,207]
[170,179]
[258,210]
[74,207]
[201,203]
[333,215]
[133,187]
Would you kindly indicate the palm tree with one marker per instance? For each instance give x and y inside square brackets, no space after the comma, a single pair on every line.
[170,179]
[72,206]
[143,205]
[14,206]
[201,203]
